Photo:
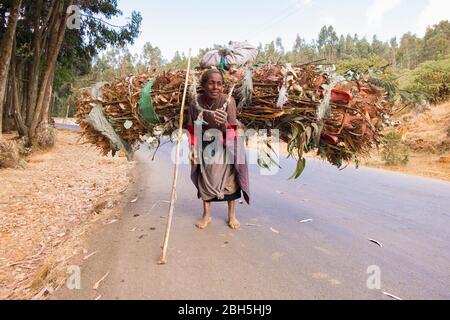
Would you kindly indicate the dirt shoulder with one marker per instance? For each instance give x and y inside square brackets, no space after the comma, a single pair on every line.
[427,135]
[419,164]
[49,208]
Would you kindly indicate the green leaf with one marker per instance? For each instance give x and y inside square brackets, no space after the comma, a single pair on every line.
[308,135]
[295,132]
[301,164]
[262,164]
[316,129]
[270,146]
[273,161]
[301,125]
[298,119]
[300,144]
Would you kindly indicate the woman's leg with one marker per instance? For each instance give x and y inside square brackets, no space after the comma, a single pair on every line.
[206,220]
[232,221]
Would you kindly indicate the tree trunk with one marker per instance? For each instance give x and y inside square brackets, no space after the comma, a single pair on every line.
[5,53]
[47,100]
[7,106]
[22,71]
[16,101]
[20,123]
[34,72]
[55,44]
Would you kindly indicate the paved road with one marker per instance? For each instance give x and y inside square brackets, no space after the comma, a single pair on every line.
[327,258]
[67,126]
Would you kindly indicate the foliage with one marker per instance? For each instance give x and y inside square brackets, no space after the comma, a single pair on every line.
[394,151]
[80,48]
[433,78]
[436,43]
[369,65]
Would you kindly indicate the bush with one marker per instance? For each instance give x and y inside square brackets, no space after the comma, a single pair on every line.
[394,151]
[433,78]
[9,154]
[405,79]
[363,65]
[45,137]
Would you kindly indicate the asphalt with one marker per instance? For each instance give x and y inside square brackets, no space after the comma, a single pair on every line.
[274,255]
[67,126]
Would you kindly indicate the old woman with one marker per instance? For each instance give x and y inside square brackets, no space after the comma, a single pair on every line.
[219,170]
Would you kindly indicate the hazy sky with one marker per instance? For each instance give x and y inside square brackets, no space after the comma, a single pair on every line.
[181,24]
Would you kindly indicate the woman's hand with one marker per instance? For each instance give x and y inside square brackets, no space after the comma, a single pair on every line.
[192,155]
[220,117]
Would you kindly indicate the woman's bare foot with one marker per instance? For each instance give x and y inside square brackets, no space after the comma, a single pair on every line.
[233,223]
[206,220]
[204,223]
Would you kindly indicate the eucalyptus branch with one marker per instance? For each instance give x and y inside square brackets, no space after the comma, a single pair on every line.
[102,21]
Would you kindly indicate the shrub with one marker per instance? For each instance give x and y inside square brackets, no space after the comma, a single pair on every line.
[433,78]
[45,137]
[364,65]
[9,154]
[394,151]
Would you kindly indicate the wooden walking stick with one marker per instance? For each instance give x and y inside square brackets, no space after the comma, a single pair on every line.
[163,259]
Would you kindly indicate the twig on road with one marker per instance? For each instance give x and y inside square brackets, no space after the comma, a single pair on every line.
[156,203]
[376,242]
[97,285]
[90,255]
[392,296]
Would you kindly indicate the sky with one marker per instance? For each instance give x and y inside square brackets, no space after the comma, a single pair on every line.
[177,25]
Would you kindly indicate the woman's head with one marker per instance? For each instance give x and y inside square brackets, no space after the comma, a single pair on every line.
[212,83]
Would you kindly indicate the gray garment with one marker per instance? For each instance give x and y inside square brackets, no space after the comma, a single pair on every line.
[217,176]
[222,177]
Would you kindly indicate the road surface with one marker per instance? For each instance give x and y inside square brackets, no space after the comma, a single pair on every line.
[274,255]
[67,126]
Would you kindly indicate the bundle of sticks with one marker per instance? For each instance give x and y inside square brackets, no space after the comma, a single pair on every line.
[342,120]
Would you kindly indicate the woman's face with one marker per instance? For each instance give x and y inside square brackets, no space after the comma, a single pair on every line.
[214,86]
